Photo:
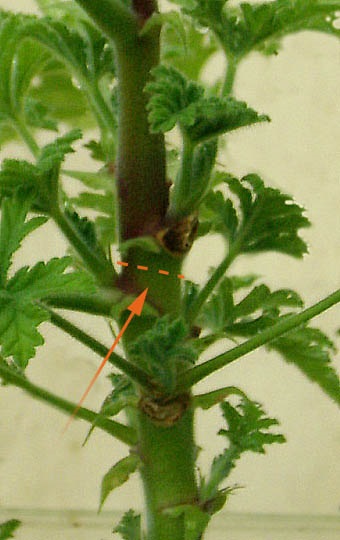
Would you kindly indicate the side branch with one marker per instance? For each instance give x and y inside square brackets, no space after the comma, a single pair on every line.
[133,371]
[123,433]
[196,374]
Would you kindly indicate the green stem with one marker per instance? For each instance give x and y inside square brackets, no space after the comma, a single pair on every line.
[100,303]
[181,191]
[207,289]
[113,17]
[234,250]
[168,473]
[98,265]
[133,371]
[123,433]
[230,76]
[201,371]
[26,136]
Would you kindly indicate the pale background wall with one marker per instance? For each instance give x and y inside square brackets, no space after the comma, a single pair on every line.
[299,152]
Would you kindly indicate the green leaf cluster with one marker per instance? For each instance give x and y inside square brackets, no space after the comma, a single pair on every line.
[20,310]
[8,527]
[40,179]
[260,219]
[249,430]
[177,100]
[227,314]
[163,351]
[261,26]
[130,526]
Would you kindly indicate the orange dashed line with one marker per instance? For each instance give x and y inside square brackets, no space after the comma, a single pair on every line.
[146,268]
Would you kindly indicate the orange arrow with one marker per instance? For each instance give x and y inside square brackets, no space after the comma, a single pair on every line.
[136,309]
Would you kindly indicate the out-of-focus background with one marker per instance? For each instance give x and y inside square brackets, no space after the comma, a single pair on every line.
[298,152]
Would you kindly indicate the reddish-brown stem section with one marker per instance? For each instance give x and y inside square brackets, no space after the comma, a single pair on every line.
[144,8]
[142,187]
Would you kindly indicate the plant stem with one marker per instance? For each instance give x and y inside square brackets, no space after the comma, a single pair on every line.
[196,374]
[133,371]
[168,473]
[99,303]
[123,433]
[98,265]
[141,178]
[181,191]
[207,289]
[26,136]
[114,18]
[230,76]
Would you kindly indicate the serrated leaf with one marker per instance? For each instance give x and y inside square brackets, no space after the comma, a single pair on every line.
[86,229]
[130,526]
[261,26]
[310,350]
[53,154]
[118,475]
[40,178]
[19,336]
[195,519]
[20,316]
[14,228]
[44,279]
[7,528]
[174,99]
[248,430]
[163,350]
[265,219]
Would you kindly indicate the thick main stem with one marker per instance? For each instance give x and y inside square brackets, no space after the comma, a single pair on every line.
[168,474]
[142,189]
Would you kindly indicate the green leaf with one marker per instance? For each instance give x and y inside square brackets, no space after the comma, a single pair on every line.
[118,475]
[215,116]
[264,218]
[174,99]
[53,154]
[130,526]
[248,430]
[44,279]
[121,396]
[42,178]
[18,65]
[8,527]
[13,229]
[184,46]
[19,336]
[195,519]
[310,350]
[37,115]
[261,26]
[163,350]
[87,230]
[19,314]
